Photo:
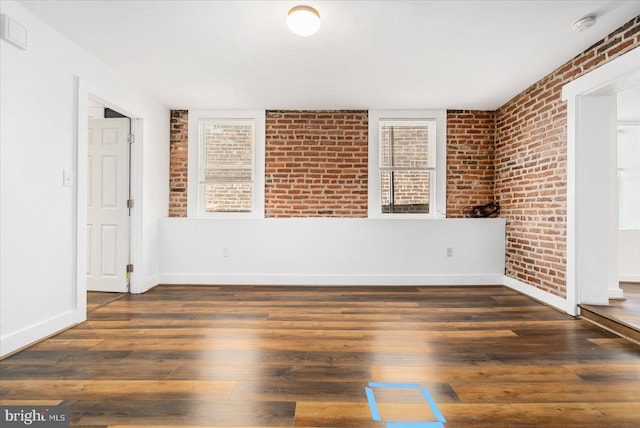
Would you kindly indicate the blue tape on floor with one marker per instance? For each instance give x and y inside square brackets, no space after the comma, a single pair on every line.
[432,404]
[393,385]
[415,425]
[373,406]
[375,413]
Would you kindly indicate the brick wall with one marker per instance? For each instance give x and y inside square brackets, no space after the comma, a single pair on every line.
[530,166]
[316,164]
[470,160]
[178,163]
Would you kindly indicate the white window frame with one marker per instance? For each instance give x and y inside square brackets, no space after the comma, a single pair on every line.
[195,202]
[438,186]
[632,127]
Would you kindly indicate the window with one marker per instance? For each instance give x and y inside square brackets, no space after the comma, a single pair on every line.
[406,163]
[226,165]
[228,156]
[629,177]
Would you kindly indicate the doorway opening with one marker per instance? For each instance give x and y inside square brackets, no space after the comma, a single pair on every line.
[90,95]
[109,200]
[593,201]
[625,310]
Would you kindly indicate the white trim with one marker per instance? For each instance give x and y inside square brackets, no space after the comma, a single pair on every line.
[628,124]
[614,76]
[616,293]
[630,278]
[440,117]
[618,72]
[87,90]
[152,281]
[137,282]
[80,248]
[328,279]
[538,294]
[28,336]
[571,270]
[194,153]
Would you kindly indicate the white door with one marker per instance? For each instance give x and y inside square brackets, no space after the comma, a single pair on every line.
[107,210]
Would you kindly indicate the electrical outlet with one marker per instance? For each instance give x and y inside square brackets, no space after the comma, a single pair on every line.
[449,251]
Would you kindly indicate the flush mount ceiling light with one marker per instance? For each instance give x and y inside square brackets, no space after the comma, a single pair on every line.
[303,20]
[583,23]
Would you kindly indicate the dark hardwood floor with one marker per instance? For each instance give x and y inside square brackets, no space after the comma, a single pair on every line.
[303,356]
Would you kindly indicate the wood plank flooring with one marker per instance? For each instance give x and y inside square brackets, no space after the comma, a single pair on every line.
[621,316]
[626,311]
[303,356]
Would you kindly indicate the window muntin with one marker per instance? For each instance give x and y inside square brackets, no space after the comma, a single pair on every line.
[407,165]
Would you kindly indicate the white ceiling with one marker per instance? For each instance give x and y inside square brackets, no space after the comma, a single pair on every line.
[471,54]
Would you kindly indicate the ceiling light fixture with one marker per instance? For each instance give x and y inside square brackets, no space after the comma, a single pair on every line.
[303,20]
[583,23]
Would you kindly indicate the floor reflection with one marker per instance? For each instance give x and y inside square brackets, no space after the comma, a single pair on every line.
[626,311]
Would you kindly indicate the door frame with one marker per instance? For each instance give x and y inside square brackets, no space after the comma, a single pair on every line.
[592,254]
[86,90]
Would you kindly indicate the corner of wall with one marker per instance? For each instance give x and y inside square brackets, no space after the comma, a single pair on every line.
[541,295]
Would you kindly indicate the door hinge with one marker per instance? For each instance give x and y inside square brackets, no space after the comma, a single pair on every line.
[131,138]
[129,203]
[129,268]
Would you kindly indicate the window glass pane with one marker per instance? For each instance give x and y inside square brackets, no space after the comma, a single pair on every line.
[629,177]
[228,144]
[629,199]
[405,191]
[629,148]
[227,169]
[227,197]
[404,146]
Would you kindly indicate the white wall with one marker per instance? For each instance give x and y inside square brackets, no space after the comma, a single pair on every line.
[629,241]
[327,251]
[39,293]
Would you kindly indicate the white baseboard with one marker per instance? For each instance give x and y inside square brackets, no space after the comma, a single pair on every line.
[18,340]
[616,293]
[292,279]
[629,278]
[540,295]
[151,282]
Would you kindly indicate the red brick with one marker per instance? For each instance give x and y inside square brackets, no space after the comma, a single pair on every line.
[178,163]
[470,160]
[530,165]
[326,155]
